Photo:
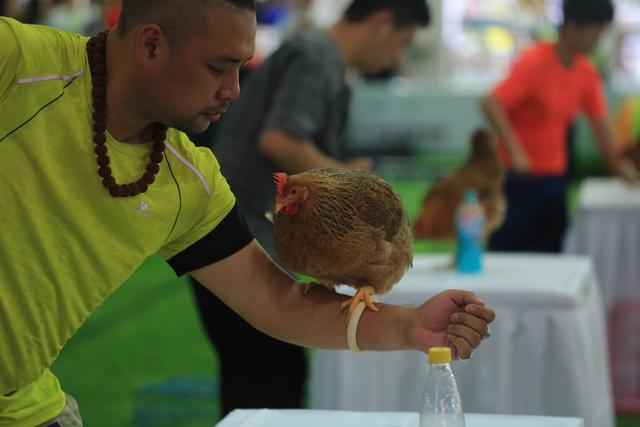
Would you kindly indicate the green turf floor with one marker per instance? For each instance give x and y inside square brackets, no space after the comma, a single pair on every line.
[122,361]
[142,359]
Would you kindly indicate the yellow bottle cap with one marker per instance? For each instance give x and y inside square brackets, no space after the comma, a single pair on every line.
[439,355]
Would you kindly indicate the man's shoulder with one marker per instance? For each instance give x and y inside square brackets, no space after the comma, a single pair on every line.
[535,58]
[314,46]
[44,47]
[34,36]
[537,52]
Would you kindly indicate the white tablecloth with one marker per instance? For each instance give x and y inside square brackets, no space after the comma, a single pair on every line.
[307,418]
[546,356]
[607,228]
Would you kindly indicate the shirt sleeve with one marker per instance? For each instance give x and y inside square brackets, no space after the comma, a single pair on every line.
[9,58]
[209,227]
[227,238]
[593,101]
[297,108]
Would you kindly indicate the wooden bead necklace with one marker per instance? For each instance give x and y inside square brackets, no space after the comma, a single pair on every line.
[96,50]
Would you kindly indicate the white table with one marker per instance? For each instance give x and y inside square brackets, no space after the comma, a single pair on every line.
[607,228]
[546,356]
[308,418]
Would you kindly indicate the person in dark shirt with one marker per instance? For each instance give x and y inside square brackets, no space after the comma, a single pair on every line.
[290,117]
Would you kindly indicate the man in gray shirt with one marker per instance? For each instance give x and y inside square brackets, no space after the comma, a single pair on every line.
[290,117]
[297,97]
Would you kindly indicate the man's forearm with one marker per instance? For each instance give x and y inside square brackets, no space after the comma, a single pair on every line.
[606,140]
[268,298]
[271,302]
[292,154]
[315,320]
[494,112]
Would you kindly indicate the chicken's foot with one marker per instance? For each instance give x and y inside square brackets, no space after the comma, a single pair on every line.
[364,293]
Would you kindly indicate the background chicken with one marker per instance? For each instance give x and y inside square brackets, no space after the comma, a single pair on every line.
[342,227]
[483,172]
[632,154]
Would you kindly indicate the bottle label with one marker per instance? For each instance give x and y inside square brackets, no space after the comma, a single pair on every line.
[470,220]
[470,225]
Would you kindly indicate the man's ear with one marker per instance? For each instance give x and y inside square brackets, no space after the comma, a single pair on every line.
[150,44]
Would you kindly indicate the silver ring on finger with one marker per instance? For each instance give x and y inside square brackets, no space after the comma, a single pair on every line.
[486,333]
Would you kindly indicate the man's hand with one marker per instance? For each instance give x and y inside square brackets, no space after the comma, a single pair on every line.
[625,170]
[455,319]
[519,160]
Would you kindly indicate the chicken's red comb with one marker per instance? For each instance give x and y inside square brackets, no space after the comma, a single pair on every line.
[280,179]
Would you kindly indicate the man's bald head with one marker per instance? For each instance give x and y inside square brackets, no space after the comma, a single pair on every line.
[177,18]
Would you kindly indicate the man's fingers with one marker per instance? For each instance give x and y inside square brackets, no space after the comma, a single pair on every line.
[463,298]
[476,323]
[471,336]
[463,348]
[483,312]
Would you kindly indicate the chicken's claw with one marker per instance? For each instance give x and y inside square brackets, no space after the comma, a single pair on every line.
[307,285]
[363,294]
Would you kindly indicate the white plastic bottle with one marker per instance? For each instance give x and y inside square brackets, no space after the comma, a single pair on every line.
[441,404]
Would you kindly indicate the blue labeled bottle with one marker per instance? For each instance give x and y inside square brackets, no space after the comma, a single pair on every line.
[469,227]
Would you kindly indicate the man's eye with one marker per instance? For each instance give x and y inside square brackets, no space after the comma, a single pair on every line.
[216,71]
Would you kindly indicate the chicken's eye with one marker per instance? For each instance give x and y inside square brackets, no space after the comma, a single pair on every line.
[293,191]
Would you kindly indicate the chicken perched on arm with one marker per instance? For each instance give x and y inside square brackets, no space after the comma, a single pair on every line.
[342,227]
[482,172]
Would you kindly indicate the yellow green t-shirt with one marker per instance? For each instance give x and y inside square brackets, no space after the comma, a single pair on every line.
[65,243]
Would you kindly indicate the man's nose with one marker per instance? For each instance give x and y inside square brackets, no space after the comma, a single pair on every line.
[230,88]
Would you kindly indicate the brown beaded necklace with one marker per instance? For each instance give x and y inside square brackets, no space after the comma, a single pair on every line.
[96,50]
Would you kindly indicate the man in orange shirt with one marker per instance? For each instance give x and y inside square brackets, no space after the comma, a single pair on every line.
[531,109]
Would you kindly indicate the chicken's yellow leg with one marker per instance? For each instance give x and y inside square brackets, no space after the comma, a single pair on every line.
[364,293]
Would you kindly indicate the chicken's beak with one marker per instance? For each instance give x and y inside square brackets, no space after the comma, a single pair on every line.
[278,206]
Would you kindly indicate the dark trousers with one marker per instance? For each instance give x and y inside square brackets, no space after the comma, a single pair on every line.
[256,371]
[536,217]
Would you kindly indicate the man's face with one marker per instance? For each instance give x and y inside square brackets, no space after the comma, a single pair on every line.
[584,38]
[385,51]
[199,78]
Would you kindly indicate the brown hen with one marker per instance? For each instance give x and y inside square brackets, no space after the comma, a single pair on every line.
[342,227]
[482,172]
[632,154]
